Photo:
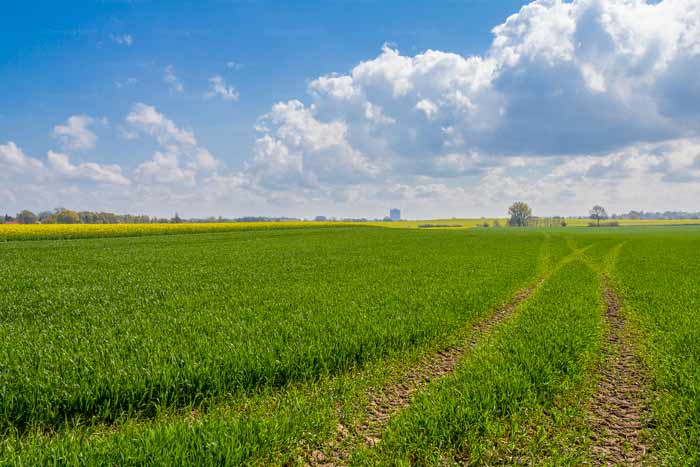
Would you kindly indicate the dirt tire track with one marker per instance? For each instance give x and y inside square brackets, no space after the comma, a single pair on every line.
[386,402]
[619,410]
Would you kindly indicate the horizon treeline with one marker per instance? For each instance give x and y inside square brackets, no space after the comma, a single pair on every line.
[68,216]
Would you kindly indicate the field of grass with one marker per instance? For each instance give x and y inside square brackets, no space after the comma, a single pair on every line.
[259,345]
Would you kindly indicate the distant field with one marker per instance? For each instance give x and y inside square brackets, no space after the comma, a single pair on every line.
[10,232]
[640,222]
[261,345]
[439,223]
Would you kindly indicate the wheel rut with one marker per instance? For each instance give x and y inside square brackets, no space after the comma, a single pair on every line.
[386,402]
[619,411]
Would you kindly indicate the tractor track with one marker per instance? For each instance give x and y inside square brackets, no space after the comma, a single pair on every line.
[386,402]
[619,411]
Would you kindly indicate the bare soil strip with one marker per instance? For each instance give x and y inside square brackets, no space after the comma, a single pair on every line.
[619,411]
[387,401]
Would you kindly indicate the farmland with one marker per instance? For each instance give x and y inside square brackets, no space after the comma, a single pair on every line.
[348,345]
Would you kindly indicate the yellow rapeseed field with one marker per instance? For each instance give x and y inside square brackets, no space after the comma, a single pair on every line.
[68,231]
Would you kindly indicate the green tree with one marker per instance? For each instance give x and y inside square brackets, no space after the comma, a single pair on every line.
[46,217]
[67,217]
[597,213]
[27,217]
[519,214]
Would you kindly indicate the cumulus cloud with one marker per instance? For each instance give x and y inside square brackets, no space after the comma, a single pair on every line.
[166,169]
[298,150]
[34,183]
[590,84]
[146,118]
[171,79]
[219,88]
[177,146]
[111,174]
[76,134]
[13,160]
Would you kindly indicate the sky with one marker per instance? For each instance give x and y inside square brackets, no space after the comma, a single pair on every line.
[452,108]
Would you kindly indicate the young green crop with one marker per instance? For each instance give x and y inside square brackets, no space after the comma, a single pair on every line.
[523,367]
[659,275]
[109,328]
[241,348]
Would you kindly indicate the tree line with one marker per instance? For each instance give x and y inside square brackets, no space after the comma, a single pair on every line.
[67,216]
[520,215]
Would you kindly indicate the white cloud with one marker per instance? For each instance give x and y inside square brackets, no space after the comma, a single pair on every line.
[171,79]
[586,83]
[298,150]
[176,144]
[147,118]
[92,171]
[218,88]
[205,160]
[12,159]
[428,108]
[75,134]
[231,65]
[122,39]
[165,169]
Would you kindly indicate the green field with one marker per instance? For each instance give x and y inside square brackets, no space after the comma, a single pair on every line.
[273,346]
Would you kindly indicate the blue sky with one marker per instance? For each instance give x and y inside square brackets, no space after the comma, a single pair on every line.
[57,60]
[348,107]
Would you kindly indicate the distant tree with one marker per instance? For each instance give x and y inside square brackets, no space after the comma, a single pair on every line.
[519,214]
[67,217]
[27,217]
[176,219]
[87,217]
[45,217]
[597,213]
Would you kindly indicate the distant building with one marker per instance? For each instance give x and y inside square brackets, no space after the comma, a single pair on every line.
[320,219]
[395,214]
